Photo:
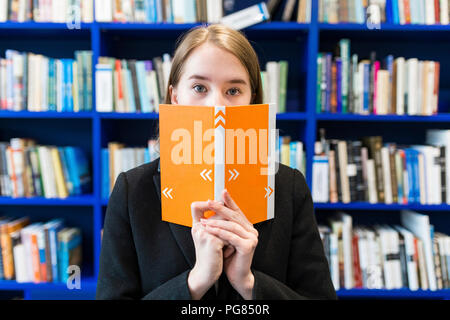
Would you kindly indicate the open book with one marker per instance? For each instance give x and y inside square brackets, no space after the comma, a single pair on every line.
[205,149]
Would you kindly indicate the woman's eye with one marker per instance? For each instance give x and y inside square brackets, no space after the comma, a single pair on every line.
[234,91]
[199,88]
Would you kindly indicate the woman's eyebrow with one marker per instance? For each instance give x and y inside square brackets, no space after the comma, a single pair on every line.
[199,77]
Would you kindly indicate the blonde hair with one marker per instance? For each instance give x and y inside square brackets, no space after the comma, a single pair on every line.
[225,38]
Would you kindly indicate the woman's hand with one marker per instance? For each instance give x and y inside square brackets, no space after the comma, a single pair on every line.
[208,253]
[235,229]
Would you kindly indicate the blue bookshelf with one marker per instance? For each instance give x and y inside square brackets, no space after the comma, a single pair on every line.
[297,43]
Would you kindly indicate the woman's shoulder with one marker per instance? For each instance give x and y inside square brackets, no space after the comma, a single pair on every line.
[290,179]
[143,173]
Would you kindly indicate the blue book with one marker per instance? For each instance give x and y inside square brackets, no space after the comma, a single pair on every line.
[366,83]
[105,173]
[65,168]
[78,170]
[143,95]
[147,158]
[150,7]
[69,92]
[52,88]
[65,97]
[293,154]
[395,13]
[51,228]
[409,169]
[69,250]
[130,91]
[190,11]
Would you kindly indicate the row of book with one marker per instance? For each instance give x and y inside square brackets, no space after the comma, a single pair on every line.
[192,11]
[35,82]
[377,172]
[369,86]
[46,10]
[421,11]
[139,86]
[291,153]
[31,170]
[407,255]
[131,85]
[426,12]
[38,252]
[117,158]
[353,11]
[275,82]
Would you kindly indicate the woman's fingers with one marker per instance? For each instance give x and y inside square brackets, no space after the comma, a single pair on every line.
[232,215]
[197,210]
[242,245]
[229,226]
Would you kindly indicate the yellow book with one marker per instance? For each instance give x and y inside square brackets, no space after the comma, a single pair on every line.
[59,175]
[285,151]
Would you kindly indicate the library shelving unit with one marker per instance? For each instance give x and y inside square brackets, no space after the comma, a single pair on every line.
[297,43]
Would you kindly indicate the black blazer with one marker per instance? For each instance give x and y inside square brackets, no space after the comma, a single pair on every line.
[143,257]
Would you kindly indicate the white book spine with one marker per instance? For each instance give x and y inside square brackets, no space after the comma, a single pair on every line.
[400,96]
[103,10]
[246,17]
[444,5]
[87,11]
[104,88]
[273,74]
[334,260]
[320,179]
[386,175]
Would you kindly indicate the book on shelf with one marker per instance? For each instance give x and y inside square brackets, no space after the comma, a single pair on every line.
[291,153]
[274,81]
[35,82]
[420,12]
[370,170]
[408,255]
[131,85]
[46,11]
[194,11]
[31,170]
[117,158]
[352,11]
[38,252]
[401,86]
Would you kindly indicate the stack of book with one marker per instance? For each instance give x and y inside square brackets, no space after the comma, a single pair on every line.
[420,12]
[291,153]
[377,172]
[274,81]
[131,85]
[46,11]
[38,252]
[411,255]
[369,86]
[34,82]
[31,170]
[118,158]
[353,11]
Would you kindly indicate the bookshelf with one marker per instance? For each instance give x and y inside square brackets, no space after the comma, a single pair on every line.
[297,43]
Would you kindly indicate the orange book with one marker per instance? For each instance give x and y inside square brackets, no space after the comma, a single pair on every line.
[206,149]
[35,256]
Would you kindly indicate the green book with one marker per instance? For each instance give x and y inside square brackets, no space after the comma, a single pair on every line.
[319,83]
[344,46]
[283,85]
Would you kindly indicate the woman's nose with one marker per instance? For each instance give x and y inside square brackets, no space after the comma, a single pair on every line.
[216,99]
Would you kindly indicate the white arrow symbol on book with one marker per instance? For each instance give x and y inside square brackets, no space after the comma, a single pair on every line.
[269,191]
[234,174]
[206,173]
[167,192]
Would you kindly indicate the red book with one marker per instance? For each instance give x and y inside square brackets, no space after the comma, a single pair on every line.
[357,274]
[407,11]
[437,12]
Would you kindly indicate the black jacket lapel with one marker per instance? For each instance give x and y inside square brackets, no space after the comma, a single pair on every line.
[181,233]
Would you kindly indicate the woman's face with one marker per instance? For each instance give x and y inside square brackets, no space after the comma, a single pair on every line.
[212,77]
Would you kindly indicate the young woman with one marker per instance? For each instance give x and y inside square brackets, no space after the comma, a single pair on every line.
[223,257]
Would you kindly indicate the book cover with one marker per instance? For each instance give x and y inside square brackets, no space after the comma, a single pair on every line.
[205,149]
